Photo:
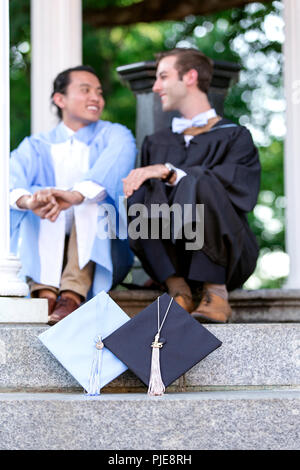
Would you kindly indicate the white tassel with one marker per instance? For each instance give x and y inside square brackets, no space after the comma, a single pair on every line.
[156,386]
[94,382]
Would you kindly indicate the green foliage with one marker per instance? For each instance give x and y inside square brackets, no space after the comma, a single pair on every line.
[108,3]
[20,70]
[267,220]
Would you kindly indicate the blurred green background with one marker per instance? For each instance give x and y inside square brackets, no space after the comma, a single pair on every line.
[251,35]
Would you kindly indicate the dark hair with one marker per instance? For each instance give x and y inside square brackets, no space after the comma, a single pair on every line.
[63,79]
[187,59]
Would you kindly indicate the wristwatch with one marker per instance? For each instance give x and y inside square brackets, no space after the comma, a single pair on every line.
[172,170]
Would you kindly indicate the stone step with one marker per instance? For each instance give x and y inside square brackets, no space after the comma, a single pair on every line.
[252,356]
[231,420]
[248,306]
[23,310]
[256,306]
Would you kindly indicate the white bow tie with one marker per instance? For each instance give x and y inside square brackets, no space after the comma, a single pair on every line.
[180,124]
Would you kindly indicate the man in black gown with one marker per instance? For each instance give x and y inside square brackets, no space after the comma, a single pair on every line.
[202,159]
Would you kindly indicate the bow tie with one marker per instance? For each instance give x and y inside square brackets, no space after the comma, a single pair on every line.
[180,124]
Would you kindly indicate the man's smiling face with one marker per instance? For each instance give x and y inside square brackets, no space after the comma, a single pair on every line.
[83,101]
[170,88]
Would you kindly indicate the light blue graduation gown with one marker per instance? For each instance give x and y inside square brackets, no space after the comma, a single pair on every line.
[112,154]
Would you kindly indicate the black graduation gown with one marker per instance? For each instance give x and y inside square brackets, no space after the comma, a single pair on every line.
[223,173]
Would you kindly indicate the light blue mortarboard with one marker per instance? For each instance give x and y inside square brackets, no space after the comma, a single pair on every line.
[76,342]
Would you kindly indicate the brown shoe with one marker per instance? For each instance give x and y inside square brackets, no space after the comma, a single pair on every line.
[212,309]
[64,306]
[185,301]
[51,304]
[51,300]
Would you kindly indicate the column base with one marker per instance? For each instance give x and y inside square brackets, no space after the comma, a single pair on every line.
[10,284]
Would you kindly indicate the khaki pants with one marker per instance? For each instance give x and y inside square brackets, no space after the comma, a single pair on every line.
[72,278]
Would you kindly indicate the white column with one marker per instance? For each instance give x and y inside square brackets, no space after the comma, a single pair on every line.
[292,142]
[10,285]
[56,41]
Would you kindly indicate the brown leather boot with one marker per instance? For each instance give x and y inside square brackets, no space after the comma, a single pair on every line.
[179,289]
[212,309]
[50,296]
[64,306]
[185,301]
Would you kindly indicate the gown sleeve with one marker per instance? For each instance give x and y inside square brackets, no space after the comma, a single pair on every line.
[238,171]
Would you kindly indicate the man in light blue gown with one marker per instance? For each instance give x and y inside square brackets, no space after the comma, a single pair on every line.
[60,182]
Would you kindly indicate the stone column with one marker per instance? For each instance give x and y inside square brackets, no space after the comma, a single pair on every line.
[292,143]
[10,284]
[56,41]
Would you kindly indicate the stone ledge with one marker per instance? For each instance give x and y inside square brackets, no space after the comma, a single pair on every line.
[257,306]
[266,305]
[252,355]
[261,420]
[23,310]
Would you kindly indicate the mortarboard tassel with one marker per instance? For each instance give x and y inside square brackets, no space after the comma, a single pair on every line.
[156,386]
[94,383]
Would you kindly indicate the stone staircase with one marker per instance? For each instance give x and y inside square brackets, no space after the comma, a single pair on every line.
[245,395]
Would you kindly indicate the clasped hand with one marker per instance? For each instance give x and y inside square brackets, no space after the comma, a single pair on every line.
[48,203]
[138,176]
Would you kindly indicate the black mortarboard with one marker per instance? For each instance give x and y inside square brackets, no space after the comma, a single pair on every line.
[182,343]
